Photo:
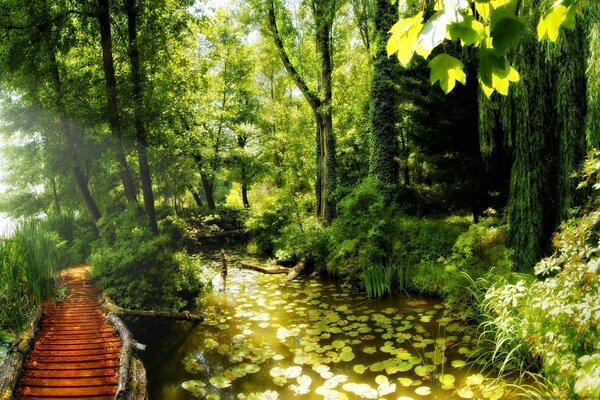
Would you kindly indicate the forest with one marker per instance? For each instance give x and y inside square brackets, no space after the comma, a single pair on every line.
[337,199]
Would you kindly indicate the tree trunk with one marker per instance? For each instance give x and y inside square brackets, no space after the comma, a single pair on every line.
[326,175]
[196,197]
[111,95]
[207,185]
[325,183]
[55,195]
[80,181]
[140,131]
[385,151]
[245,195]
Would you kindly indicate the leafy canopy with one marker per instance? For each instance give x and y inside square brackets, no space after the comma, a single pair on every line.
[491,26]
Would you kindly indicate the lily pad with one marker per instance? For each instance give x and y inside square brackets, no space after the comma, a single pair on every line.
[220,382]
[476,379]
[458,363]
[195,387]
[423,390]
[359,368]
[423,370]
[447,380]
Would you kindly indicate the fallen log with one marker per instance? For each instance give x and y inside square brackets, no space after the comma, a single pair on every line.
[126,373]
[274,269]
[138,382]
[295,271]
[109,307]
[11,369]
[291,273]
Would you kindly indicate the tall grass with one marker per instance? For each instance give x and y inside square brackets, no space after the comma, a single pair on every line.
[27,273]
[377,280]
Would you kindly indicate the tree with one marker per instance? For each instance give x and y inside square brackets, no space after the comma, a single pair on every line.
[323,12]
[385,149]
[140,130]
[111,97]
[543,121]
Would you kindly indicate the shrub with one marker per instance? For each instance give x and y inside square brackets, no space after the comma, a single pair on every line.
[304,238]
[476,252]
[267,224]
[136,268]
[363,234]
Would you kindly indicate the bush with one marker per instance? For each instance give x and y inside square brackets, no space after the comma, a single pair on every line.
[304,238]
[476,252]
[73,237]
[267,224]
[419,244]
[364,232]
[136,268]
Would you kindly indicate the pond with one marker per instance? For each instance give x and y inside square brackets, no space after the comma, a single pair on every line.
[311,339]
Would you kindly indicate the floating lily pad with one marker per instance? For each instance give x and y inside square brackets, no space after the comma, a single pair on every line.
[447,380]
[465,393]
[458,363]
[359,368]
[220,382]
[292,372]
[406,382]
[195,387]
[279,380]
[423,390]
[476,379]
[423,370]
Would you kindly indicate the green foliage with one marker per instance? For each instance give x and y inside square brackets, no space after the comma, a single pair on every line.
[363,233]
[557,315]
[27,273]
[476,252]
[493,30]
[304,238]
[137,269]
[377,280]
[73,237]
[268,223]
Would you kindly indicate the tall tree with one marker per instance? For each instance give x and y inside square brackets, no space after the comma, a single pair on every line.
[112,108]
[36,77]
[543,123]
[385,149]
[140,130]
[323,12]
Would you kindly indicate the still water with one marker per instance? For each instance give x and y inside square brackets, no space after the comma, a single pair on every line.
[312,339]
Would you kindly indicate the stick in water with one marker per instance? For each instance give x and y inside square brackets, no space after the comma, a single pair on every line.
[223,271]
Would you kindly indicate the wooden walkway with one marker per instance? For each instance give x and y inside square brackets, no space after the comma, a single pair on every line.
[76,354]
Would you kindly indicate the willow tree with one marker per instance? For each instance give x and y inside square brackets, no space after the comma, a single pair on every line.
[323,13]
[543,123]
[385,150]
[593,73]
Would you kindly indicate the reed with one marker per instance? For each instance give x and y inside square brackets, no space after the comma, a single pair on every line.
[27,273]
[377,280]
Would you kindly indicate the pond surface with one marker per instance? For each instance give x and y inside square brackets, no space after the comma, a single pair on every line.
[311,339]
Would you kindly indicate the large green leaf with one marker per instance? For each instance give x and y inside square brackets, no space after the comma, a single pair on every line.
[506,33]
[447,70]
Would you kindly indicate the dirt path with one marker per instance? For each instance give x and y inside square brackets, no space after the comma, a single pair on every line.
[76,355]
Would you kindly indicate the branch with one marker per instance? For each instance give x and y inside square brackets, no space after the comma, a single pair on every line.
[312,98]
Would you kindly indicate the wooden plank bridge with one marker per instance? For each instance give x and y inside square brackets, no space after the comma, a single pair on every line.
[76,354]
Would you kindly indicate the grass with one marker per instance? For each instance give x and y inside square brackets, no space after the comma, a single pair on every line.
[27,273]
[377,280]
